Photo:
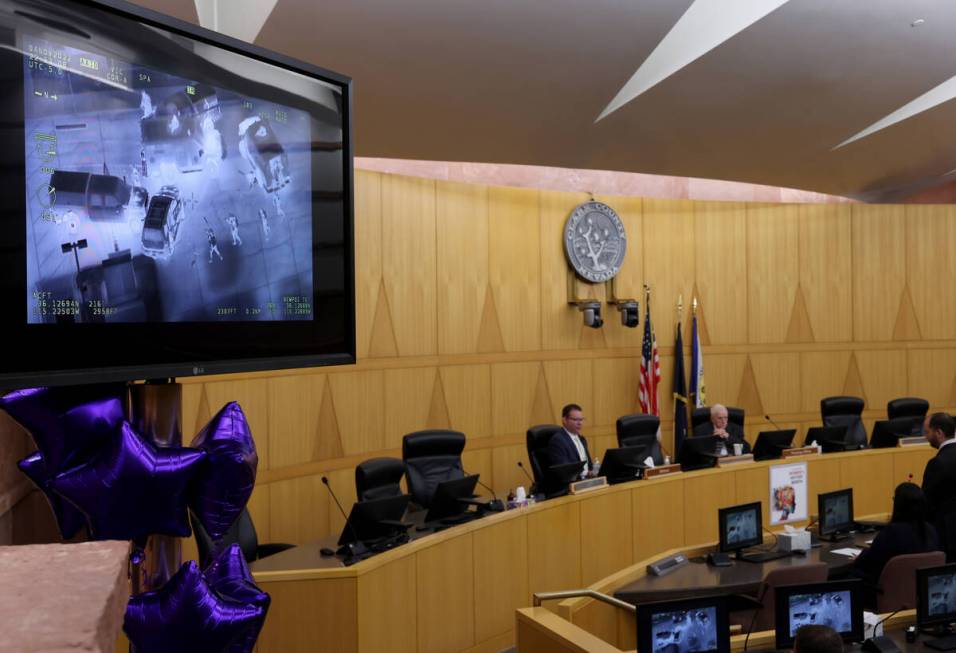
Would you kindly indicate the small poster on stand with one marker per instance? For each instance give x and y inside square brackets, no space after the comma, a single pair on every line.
[788,493]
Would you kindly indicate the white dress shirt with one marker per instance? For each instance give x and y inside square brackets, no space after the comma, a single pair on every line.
[582,454]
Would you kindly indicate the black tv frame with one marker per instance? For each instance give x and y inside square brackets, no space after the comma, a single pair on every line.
[724,513]
[646,611]
[829,530]
[782,604]
[252,346]
[771,444]
[937,624]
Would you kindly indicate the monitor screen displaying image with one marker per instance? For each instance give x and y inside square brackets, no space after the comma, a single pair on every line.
[740,526]
[936,595]
[836,511]
[831,609]
[836,604]
[699,625]
[941,591]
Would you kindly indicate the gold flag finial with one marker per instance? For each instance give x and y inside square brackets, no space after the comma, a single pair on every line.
[680,307]
[694,306]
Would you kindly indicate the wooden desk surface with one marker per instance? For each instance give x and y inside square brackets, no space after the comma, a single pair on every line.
[458,590]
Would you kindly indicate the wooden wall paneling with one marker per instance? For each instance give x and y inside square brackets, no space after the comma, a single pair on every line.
[561,324]
[720,241]
[823,475]
[822,374]
[462,226]
[358,398]
[192,398]
[342,482]
[569,382]
[778,379]
[304,612]
[879,269]
[871,478]
[599,444]
[665,395]
[773,239]
[387,620]
[294,406]
[298,510]
[669,265]
[703,496]
[501,576]
[826,270]
[468,397]
[884,376]
[253,398]
[260,512]
[446,596]
[554,541]
[479,461]
[723,374]
[513,388]
[606,536]
[931,268]
[368,255]
[616,385]
[505,471]
[909,464]
[514,265]
[629,282]
[408,395]
[932,376]
[409,262]
[753,484]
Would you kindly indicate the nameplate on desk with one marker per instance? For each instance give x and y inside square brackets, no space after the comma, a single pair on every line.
[661,470]
[727,461]
[799,451]
[667,565]
[913,441]
[588,484]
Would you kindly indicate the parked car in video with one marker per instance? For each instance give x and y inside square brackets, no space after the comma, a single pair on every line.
[174,132]
[104,197]
[261,149]
[163,220]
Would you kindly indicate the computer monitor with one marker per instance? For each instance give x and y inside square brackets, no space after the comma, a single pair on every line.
[699,625]
[375,518]
[557,478]
[770,444]
[740,527]
[698,452]
[887,432]
[447,499]
[936,596]
[836,604]
[830,438]
[625,463]
[835,512]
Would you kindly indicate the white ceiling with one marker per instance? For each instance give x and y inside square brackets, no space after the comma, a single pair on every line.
[770,90]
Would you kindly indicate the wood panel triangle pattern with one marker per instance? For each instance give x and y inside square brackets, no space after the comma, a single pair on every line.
[382,343]
[490,339]
[438,410]
[702,331]
[748,397]
[541,404]
[907,326]
[853,384]
[800,329]
[327,440]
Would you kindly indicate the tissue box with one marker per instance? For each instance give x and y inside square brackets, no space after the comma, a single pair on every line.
[793,541]
[872,625]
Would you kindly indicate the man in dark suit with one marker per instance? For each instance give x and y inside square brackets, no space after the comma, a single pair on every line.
[568,445]
[939,479]
[728,434]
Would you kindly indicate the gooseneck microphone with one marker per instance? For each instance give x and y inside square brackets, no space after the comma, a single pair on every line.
[495,505]
[521,465]
[352,549]
[767,417]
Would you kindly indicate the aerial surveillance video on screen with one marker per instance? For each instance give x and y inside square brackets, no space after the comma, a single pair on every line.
[685,631]
[831,609]
[152,198]
[942,594]
[741,527]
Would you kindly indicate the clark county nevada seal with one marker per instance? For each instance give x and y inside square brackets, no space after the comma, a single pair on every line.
[594,241]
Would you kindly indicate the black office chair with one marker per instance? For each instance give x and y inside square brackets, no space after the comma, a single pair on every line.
[379,478]
[537,440]
[700,418]
[431,457]
[242,532]
[640,430]
[909,407]
[845,411]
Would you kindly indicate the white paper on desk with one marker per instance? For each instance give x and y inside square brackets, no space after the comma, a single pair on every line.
[849,551]
[649,461]
[869,542]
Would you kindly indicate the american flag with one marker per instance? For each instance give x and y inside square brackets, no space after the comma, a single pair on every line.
[650,366]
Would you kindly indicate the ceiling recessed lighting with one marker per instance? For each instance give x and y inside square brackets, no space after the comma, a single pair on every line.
[917,22]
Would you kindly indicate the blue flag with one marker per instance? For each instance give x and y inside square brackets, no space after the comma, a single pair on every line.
[698,398]
[680,394]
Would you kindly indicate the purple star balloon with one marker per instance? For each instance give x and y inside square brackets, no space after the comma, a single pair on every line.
[187,615]
[68,519]
[67,422]
[131,489]
[225,484]
[228,575]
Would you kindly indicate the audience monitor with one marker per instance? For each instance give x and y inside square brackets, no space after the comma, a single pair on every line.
[699,625]
[936,597]
[835,604]
[835,513]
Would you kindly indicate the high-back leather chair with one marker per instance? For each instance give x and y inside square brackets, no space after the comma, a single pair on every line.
[537,440]
[897,589]
[431,457]
[766,597]
[701,416]
[640,430]
[909,407]
[379,478]
[242,532]
[845,411]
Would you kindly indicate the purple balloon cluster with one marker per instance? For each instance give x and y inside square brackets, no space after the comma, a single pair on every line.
[218,609]
[96,471]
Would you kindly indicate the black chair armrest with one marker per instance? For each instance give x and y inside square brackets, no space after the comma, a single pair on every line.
[271,548]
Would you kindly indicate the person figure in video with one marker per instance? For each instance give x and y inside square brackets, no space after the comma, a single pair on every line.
[233,222]
[264,219]
[280,214]
[142,163]
[71,221]
[213,244]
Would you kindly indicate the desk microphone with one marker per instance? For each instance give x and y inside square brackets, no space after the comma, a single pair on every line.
[353,549]
[767,417]
[492,506]
[521,465]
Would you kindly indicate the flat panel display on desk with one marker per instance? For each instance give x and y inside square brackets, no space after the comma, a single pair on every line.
[176,202]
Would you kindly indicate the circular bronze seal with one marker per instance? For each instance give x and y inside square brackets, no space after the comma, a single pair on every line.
[595,241]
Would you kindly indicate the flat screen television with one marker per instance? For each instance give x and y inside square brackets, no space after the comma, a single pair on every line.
[176,202]
[698,625]
[837,604]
